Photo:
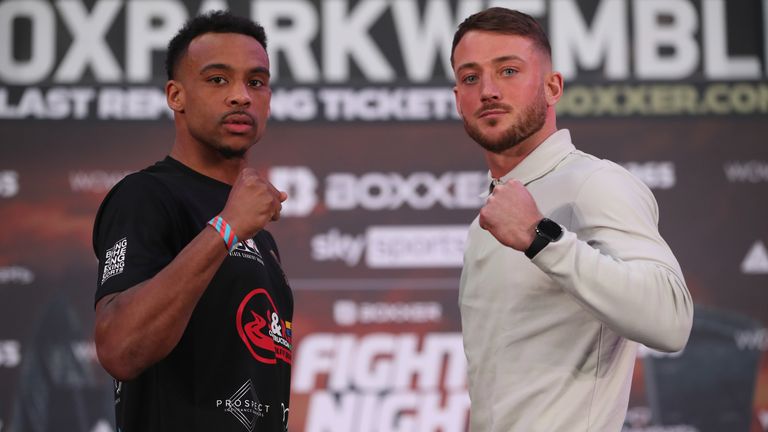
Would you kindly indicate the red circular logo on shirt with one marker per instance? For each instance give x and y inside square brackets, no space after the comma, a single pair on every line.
[261,328]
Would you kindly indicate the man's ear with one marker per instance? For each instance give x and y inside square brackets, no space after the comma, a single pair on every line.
[174,95]
[553,87]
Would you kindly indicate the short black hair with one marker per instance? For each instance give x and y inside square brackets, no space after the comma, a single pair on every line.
[504,21]
[211,22]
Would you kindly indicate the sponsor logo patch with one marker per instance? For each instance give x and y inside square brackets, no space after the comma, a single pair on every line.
[247,249]
[114,260]
[266,336]
[245,406]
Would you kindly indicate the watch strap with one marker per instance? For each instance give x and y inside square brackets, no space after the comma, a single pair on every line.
[546,231]
[539,242]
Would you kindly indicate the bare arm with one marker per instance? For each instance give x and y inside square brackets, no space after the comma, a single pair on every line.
[141,325]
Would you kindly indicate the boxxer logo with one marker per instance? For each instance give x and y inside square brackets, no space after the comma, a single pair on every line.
[378,191]
[300,184]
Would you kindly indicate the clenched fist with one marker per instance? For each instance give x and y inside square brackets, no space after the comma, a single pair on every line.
[510,214]
[252,203]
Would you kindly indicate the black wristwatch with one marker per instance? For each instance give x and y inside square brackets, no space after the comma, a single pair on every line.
[546,231]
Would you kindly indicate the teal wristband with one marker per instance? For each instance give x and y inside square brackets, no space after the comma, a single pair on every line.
[225,231]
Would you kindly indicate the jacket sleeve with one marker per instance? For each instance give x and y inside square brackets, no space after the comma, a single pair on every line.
[617,266]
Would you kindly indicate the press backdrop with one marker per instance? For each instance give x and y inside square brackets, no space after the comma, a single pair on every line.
[383,184]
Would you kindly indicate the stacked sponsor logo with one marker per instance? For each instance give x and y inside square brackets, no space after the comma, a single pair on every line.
[16,274]
[9,183]
[245,406]
[382,381]
[114,260]
[436,246]
[10,353]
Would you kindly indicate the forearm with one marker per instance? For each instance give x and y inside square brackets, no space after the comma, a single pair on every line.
[643,300]
[141,325]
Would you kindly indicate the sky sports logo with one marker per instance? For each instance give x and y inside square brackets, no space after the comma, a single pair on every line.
[394,247]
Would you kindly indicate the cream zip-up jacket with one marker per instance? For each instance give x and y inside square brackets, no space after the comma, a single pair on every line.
[551,342]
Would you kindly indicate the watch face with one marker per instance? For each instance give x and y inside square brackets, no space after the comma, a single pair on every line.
[549,229]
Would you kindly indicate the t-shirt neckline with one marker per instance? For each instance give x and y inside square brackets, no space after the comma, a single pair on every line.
[180,166]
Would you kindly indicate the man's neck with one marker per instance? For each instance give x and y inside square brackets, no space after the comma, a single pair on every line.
[501,163]
[210,163]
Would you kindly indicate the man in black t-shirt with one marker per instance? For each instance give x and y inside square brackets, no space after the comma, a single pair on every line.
[193,312]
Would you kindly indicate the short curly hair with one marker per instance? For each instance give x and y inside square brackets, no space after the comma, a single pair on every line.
[211,22]
[504,21]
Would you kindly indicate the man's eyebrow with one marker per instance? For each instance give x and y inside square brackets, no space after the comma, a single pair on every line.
[260,70]
[211,66]
[469,65]
[507,58]
[228,68]
[501,59]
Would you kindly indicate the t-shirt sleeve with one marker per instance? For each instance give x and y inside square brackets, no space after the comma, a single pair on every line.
[133,237]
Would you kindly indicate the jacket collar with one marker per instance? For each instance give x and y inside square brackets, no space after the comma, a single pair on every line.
[542,159]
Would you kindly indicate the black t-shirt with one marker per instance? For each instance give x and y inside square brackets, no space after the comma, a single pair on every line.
[231,369]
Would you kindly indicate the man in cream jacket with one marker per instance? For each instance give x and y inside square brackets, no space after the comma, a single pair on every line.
[565,272]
